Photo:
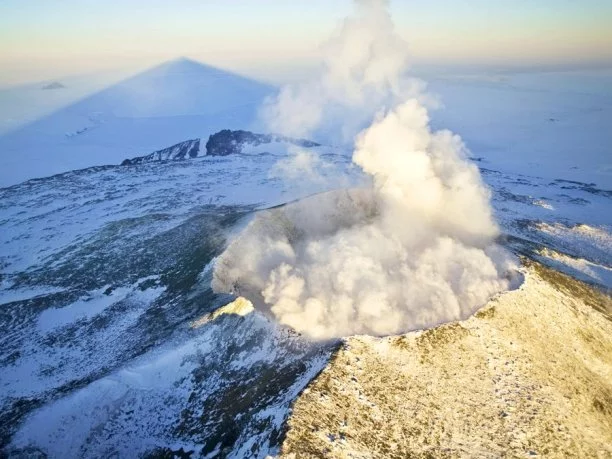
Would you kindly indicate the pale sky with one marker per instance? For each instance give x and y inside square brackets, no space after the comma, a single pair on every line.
[45,39]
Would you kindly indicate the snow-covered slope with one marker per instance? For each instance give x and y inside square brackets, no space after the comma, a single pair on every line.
[530,375]
[116,344]
[222,388]
[175,101]
[105,287]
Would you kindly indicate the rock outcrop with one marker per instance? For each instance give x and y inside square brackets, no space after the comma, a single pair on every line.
[183,150]
[223,143]
[227,142]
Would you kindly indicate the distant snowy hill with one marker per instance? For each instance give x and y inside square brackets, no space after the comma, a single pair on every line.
[54,85]
[165,105]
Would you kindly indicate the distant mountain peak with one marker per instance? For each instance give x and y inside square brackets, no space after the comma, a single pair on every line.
[54,85]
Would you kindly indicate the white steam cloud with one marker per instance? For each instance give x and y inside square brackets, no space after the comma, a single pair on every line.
[364,71]
[414,250]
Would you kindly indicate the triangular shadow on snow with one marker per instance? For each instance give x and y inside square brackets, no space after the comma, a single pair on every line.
[166,104]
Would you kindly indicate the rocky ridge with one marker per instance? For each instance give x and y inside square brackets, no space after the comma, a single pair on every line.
[529,375]
[223,143]
[179,151]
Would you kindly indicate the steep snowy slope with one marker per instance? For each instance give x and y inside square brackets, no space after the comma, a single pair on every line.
[105,290]
[175,101]
[222,388]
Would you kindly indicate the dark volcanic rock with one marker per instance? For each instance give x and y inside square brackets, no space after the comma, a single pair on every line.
[186,149]
[223,143]
[227,142]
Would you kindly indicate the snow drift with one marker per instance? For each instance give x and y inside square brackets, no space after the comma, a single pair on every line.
[414,249]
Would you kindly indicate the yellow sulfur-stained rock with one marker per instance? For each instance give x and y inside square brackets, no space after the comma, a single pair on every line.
[240,306]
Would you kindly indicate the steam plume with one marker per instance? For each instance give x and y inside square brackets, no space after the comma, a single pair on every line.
[364,71]
[414,249]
